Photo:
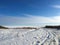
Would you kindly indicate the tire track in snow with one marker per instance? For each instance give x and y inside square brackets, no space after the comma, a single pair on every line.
[54,39]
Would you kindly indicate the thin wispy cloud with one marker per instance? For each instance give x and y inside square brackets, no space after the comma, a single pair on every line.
[56,6]
[30,19]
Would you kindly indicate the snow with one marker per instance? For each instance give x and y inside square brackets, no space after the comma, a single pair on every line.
[41,36]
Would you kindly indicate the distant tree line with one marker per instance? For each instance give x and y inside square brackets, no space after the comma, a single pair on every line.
[2,27]
[57,27]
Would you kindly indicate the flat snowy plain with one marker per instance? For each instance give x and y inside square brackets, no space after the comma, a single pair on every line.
[40,36]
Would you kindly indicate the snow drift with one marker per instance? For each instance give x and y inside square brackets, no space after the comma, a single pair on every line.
[29,37]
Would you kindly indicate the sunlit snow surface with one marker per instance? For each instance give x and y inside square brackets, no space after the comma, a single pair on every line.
[29,37]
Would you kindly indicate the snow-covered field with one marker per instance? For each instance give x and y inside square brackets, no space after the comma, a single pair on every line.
[41,36]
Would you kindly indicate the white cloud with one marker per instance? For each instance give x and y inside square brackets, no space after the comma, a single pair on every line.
[56,6]
[30,19]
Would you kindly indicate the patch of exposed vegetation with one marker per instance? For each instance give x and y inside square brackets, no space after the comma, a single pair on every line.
[25,28]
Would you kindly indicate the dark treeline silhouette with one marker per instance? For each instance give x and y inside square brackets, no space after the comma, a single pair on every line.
[57,27]
[2,27]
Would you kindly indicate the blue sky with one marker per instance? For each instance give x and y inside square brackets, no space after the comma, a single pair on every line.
[29,12]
